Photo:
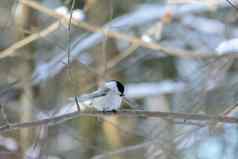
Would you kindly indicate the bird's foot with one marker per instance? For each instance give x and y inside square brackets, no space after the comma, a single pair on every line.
[114,111]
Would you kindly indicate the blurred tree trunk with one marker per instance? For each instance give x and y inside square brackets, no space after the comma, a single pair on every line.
[25,60]
[98,13]
[162,131]
[110,131]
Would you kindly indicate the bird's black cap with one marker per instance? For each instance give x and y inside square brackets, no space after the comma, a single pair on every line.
[120,87]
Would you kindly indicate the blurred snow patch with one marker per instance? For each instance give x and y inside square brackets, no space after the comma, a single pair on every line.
[62,10]
[210,149]
[153,89]
[146,38]
[43,115]
[33,152]
[41,73]
[231,132]
[85,59]
[78,15]
[9,143]
[205,25]
[228,47]
[66,142]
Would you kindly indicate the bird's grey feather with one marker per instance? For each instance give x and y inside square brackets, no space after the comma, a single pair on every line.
[99,93]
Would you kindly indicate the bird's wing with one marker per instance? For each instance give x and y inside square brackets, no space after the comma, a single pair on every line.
[99,93]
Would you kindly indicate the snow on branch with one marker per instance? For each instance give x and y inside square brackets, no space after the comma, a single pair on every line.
[229,47]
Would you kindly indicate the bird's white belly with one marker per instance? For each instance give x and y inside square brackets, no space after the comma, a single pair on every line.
[108,103]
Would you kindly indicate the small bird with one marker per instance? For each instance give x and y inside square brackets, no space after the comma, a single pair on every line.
[106,98]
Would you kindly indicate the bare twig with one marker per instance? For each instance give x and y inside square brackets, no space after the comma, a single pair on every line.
[119,35]
[178,140]
[124,150]
[130,113]
[115,61]
[69,30]
[11,51]
[4,115]
[230,109]
[69,49]
[231,4]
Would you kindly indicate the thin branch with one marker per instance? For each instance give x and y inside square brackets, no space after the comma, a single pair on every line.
[69,50]
[4,115]
[230,109]
[130,113]
[123,150]
[118,35]
[232,5]
[133,47]
[178,140]
[11,51]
